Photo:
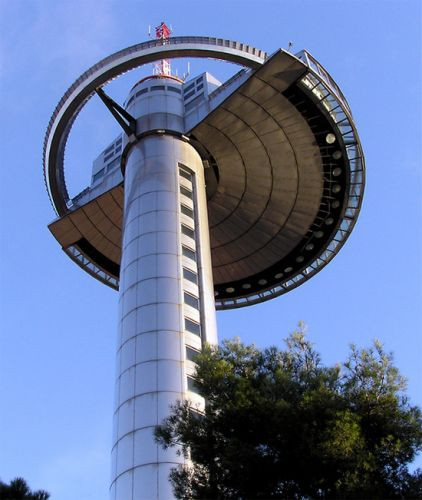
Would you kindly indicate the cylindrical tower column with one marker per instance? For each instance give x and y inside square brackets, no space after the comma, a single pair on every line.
[166,308]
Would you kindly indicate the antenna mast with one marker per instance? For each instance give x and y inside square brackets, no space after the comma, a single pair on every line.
[162,32]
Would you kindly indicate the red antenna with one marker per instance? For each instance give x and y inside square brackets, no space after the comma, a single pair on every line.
[162,32]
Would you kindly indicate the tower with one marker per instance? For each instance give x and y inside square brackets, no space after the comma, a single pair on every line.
[214,196]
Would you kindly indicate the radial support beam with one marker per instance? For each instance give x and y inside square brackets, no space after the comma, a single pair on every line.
[123,118]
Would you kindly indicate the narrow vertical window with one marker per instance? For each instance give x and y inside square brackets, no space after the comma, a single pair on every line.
[190,276]
[187,231]
[186,192]
[192,385]
[186,211]
[190,300]
[185,174]
[188,252]
[191,353]
[192,327]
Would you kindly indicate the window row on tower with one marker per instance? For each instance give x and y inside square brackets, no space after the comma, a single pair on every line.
[176,90]
[111,166]
[191,282]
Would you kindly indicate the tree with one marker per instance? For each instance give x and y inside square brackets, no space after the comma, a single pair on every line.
[279,424]
[19,490]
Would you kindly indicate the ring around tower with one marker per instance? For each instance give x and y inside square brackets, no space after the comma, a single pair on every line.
[214,196]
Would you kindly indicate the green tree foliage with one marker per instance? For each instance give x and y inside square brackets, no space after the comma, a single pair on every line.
[19,490]
[279,424]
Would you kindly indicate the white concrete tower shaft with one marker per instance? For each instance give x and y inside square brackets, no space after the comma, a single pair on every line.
[166,308]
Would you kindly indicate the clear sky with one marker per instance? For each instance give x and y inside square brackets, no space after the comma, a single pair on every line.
[58,325]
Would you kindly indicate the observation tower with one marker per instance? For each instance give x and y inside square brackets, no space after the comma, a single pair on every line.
[214,196]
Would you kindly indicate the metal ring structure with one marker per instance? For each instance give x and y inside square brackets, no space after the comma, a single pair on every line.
[113,66]
[317,84]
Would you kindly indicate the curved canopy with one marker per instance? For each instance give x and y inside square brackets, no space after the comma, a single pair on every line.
[290,170]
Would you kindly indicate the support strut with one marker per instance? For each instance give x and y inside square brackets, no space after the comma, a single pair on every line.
[123,118]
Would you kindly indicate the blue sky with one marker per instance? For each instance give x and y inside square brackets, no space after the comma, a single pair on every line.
[58,325]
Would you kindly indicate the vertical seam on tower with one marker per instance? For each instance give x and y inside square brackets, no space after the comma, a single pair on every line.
[134,366]
[156,346]
[133,416]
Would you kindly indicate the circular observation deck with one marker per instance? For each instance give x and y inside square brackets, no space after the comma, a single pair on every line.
[288,170]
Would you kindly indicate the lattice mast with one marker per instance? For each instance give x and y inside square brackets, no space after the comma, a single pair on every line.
[162,32]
